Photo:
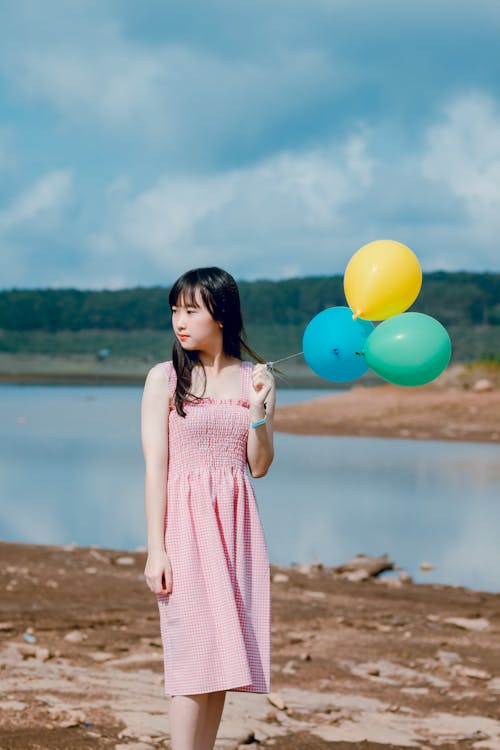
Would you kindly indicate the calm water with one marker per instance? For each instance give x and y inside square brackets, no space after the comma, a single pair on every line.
[71,470]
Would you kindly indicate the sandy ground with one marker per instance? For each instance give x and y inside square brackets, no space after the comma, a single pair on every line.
[424,413]
[373,664]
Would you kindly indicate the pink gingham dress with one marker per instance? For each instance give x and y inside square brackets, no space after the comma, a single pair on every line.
[215,624]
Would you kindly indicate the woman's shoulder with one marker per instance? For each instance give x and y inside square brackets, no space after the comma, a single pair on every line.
[161,372]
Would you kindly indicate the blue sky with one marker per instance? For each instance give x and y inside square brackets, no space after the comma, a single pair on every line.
[138,140]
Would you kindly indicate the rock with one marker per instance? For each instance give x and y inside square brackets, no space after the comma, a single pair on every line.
[289,667]
[100,655]
[477,624]
[315,594]
[90,570]
[75,636]
[425,567]
[39,653]
[472,672]
[356,575]
[51,584]
[294,637]
[447,658]
[4,626]
[276,700]
[66,717]
[390,581]
[405,577]
[305,656]
[483,385]
[125,560]
[280,578]
[372,565]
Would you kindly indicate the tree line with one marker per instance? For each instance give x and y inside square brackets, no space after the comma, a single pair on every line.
[455,299]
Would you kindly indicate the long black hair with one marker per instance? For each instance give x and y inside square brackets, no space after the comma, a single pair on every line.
[221,297]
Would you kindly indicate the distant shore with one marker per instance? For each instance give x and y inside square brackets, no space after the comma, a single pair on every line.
[424,413]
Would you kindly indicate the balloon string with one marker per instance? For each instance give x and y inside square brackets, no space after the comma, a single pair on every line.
[270,365]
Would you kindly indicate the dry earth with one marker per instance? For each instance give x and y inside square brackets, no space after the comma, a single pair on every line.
[367,665]
[424,413]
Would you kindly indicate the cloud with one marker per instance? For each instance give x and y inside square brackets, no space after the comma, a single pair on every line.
[463,155]
[259,215]
[42,202]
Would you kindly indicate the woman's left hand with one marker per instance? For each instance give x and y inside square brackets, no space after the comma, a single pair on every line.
[262,382]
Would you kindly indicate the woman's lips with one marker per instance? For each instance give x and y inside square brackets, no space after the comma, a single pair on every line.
[182,336]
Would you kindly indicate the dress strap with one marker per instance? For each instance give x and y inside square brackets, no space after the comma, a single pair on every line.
[171,376]
[245,379]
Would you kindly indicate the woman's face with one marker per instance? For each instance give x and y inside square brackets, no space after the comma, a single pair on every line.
[194,326]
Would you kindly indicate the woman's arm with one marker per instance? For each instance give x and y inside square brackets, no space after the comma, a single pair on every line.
[154,433]
[260,449]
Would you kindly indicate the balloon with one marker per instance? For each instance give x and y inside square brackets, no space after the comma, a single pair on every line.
[408,349]
[383,278]
[332,344]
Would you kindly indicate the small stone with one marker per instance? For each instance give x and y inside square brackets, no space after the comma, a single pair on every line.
[483,385]
[305,656]
[405,577]
[90,570]
[289,667]
[51,584]
[280,578]
[276,700]
[315,594]
[425,567]
[390,581]
[75,636]
[476,624]
[356,575]
[100,655]
[125,560]
[4,626]
[473,673]
[448,657]
[294,637]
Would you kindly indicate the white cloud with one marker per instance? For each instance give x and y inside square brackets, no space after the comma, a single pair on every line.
[463,154]
[265,211]
[42,201]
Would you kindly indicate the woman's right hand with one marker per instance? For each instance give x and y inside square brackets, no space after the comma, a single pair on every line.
[157,572]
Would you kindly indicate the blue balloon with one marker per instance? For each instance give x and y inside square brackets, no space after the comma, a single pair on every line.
[332,343]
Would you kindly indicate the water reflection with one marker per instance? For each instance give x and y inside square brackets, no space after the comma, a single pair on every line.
[72,470]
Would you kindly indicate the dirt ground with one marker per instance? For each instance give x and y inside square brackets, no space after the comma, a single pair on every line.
[368,665]
[423,413]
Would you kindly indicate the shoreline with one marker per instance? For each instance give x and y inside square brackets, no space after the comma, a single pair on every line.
[354,664]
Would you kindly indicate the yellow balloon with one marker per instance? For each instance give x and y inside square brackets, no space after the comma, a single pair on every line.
[382,279]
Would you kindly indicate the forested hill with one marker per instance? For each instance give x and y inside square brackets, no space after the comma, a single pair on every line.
[456,299]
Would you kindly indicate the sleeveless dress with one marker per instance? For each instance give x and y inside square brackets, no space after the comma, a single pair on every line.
[215,623]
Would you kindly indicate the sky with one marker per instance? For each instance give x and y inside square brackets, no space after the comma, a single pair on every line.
[274,139]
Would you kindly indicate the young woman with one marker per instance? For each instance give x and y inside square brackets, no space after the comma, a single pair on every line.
[206,416]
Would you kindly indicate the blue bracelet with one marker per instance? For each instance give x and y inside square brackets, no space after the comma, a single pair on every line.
[259,422]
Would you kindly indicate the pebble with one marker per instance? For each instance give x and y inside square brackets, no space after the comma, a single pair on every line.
[476,624]
[125,560]
[280,578]
[90,570]
[6,626]
[355,575]
[290,667]
[315,594]
[425,567]
[276,700]
[483,385]
[75,636]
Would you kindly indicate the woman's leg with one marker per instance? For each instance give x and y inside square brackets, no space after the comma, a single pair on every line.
[213,715]
[187,716]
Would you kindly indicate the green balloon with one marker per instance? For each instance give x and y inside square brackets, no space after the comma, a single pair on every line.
[408,349]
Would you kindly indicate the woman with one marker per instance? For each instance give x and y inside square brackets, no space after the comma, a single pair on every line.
[206,416]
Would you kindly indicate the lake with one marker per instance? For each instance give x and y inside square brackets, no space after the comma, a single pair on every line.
[71,470]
